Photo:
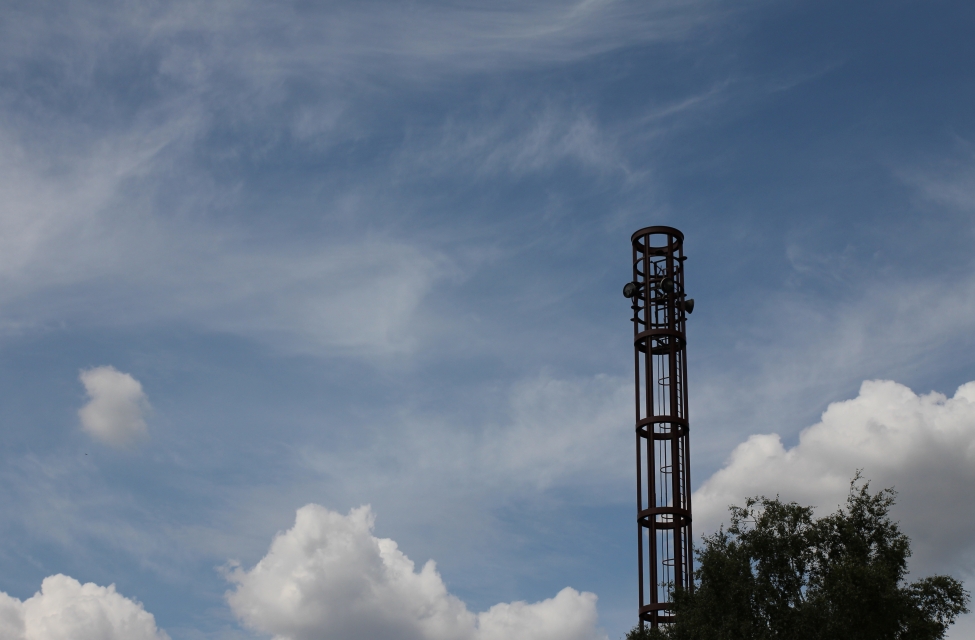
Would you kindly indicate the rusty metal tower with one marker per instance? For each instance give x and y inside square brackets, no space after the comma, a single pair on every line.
[663,488]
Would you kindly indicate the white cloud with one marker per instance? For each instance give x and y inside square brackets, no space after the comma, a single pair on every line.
[800,354]
[328,576]
[922,445]
[65,609]
[11,618]
[115,412]
[570,615]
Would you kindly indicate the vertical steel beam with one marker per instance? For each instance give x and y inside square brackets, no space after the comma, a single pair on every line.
[660,309]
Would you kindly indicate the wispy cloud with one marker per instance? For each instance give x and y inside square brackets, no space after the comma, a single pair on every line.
[215,47]
[519,142]
[550,434]
[113,213]
[948,181]
[86,239]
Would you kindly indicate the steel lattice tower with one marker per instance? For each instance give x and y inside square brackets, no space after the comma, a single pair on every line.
[660,310]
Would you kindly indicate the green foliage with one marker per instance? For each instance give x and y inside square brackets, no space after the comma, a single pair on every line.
[636,633]
[778,573]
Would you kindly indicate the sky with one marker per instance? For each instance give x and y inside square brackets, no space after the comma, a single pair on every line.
[311,321]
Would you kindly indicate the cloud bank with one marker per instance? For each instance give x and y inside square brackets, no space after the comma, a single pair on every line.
[115,411]
[65,609]
[328,576]
[922,445]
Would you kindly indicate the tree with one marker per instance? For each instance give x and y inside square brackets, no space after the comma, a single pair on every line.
[778,573]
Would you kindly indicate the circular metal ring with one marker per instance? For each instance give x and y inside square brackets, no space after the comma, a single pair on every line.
[648,231]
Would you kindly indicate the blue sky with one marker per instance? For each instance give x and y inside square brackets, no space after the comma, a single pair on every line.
[372,253]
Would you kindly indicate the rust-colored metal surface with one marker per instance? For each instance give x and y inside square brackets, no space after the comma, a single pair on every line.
[660,309]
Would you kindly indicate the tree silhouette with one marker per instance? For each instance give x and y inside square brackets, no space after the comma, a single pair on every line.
[778,573]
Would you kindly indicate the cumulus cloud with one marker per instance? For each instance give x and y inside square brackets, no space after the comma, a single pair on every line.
[65,609]
[328,576]
[922,445]
[115,411]
[569,615]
